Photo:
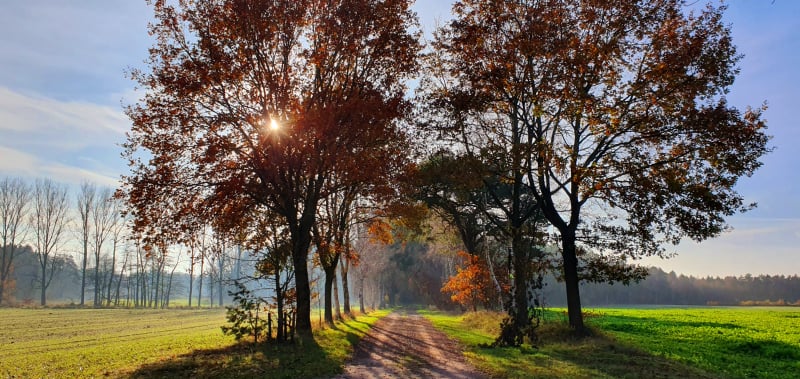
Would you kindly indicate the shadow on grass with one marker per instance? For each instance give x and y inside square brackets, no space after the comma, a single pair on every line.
[722,347]
[302,359]
[602,354]
[560,354]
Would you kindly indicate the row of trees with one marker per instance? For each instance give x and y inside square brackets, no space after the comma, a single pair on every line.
[38,214]
[598,127]
[46,229]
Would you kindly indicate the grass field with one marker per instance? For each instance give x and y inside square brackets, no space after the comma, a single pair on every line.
[639,343]
[70,343]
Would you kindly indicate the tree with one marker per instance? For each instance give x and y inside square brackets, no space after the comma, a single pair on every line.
[15,197]
[261,102]
[48,220]
[85,201]
[632,143]
[331,241]
[104,217]
[471,285]
[118,228]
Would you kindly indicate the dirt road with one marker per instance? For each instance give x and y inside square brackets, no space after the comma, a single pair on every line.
[406,345]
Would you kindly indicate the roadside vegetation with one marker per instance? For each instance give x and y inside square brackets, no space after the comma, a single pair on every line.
[639,343]
[68,343]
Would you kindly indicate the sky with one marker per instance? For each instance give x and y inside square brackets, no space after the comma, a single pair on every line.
[63,87]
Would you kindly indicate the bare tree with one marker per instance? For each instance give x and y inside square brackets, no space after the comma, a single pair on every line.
[85,201]
[48,220]
[118,228]
[103,216]
[15,196]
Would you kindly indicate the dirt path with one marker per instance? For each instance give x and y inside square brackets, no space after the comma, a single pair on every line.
[406,345]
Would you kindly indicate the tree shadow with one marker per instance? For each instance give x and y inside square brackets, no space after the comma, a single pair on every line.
[710,354]
[302,359]
[604,355]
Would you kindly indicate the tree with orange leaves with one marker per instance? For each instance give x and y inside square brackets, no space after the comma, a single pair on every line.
[273,104]
[471,285]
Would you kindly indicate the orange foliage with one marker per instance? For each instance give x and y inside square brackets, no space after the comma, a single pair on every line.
[380,231]
[472,284]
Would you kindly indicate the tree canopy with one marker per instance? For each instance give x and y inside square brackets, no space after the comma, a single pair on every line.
[267,104]
[618,110]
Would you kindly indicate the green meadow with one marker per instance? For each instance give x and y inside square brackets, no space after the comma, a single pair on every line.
[82,343]
[641,343]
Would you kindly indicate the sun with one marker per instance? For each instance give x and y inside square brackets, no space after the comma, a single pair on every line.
[274,124]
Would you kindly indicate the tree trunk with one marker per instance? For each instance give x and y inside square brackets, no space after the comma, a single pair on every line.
[83,271]
[521,273]
[191,277]
[300,233]
[119,280]
[97,288]
[220,282]
[572,281]
[336,305]
[346,286]
[279,300]
[361,295]
[492,275]
[44,282]
[200,283]
[330,276]
[111,274]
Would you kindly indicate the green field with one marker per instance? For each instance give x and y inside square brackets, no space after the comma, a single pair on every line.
[636,343]
[70,343]
[97,342]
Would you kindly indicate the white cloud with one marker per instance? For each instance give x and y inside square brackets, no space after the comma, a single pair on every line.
[17,163]
[65,140]
[74,121]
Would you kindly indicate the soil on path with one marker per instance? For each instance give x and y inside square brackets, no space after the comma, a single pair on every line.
[406,345]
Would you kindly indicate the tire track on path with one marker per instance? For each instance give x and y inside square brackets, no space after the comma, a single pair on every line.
[406,345]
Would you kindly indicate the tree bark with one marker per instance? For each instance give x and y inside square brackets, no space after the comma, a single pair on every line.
[279,299]
[330,276]
[345,286]
[83,271]
[521,274]
[337,307]
[96,300]
[300,245]
[43,282]
[572,281]
[361,295]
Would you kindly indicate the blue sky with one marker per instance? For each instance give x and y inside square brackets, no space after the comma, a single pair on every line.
[62,86]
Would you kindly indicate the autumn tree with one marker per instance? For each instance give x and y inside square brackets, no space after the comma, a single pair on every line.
[15,197]
[263,102]
[471,285]
[48,221]
[630,141]
[482,191]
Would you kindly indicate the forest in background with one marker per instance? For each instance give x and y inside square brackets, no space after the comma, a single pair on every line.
[397,274]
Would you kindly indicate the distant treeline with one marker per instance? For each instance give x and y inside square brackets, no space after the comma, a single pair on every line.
[662,288]
[396,265]
[146,285]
